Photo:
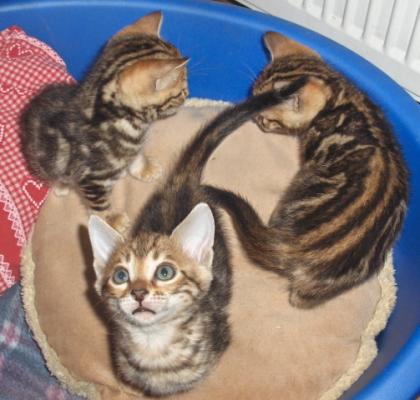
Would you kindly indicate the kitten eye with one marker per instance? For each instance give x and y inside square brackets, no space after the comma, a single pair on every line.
[164,272]
[120,276]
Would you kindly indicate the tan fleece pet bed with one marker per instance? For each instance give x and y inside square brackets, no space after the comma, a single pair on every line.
[277,351]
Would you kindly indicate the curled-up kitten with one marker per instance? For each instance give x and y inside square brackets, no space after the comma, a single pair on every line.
[343,210]
[86,135]
[166,285]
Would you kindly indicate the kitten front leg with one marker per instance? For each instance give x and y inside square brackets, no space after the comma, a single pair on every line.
[145,168]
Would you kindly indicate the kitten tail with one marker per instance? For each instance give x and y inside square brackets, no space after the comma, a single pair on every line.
[191,165]
[260,242]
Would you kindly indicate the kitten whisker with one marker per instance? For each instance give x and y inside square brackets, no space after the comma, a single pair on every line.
[251,73]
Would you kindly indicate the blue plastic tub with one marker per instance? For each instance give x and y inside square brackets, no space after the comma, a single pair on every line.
[224,43]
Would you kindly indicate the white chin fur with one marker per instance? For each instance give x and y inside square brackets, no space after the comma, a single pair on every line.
[129,306]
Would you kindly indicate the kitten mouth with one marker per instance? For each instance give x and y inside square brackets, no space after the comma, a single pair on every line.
[143,309]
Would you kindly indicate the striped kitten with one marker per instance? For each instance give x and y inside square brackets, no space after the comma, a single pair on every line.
[167,283]
[343,210]
[86,135]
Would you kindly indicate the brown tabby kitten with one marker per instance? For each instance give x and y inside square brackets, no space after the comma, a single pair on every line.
[86,135]
[343,210]
[166,284]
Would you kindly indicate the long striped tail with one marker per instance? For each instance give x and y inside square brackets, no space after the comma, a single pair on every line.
[194,157]
[260,242]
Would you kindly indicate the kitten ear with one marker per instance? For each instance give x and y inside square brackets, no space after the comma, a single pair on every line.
[195,234]
[149,76]
[104,241]
[281,46]
[150,24]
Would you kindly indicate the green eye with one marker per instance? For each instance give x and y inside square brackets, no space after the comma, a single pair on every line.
[164,272]
[120,276]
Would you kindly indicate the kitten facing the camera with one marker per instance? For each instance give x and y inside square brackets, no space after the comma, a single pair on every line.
[343,210]
[86,135]
[166,284]
[166,297]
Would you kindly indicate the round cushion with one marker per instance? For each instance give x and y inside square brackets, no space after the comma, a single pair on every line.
[277,351]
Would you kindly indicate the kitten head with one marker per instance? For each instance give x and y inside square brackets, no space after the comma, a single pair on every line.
[142,72]
[291,60]
[152,277]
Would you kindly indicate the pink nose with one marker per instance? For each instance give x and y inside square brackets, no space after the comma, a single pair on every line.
[139,294]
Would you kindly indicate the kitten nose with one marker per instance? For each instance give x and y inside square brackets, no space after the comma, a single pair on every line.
[139,294]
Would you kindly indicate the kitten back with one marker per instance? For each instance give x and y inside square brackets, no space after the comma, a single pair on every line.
[341,213]
[85,136]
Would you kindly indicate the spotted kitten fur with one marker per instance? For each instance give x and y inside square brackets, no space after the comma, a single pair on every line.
[166,284]
[343,210]
[86,135]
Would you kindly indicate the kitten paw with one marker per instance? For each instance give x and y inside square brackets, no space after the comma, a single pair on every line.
[298,301]
[146,170]
[295,300]
[61,191]
[119,221]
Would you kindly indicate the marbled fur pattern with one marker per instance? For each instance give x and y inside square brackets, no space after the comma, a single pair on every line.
[343,210]
[86,135]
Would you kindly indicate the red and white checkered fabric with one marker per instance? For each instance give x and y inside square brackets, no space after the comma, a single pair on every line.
[26,65]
